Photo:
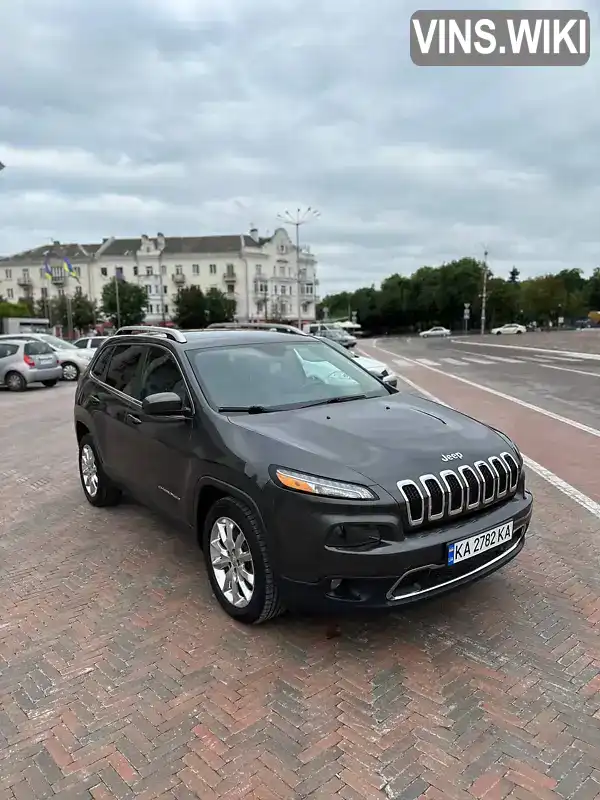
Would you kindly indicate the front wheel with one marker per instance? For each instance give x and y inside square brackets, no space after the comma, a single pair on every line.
[238,563]
[98,488]
[498,333]
[70,371]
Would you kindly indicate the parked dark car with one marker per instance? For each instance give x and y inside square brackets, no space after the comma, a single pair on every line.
[303,492]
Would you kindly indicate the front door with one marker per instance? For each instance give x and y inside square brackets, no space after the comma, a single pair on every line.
[164,446]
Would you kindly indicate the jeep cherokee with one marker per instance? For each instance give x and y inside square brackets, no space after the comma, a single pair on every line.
[307,488]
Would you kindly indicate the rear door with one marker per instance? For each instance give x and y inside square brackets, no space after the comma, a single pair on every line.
[7,357]
[119,400]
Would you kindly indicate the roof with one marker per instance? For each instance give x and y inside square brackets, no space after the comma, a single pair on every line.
[221,338]
[175,245]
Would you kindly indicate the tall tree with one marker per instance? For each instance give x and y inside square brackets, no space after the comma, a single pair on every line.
[190,308]
[219,307]
[133,302]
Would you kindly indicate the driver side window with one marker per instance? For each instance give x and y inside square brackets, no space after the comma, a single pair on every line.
[161,373]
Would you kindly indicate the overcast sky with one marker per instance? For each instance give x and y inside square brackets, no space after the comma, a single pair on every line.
[194,117]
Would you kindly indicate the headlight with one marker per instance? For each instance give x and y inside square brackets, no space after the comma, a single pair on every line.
[324,487]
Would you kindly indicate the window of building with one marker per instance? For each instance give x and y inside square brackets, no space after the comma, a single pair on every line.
[10,294]
[282,271]
[163,269]
[25,273]
[230,288]
[123,368]
[148,289]
[44,291]
[195,269]
[103,271]
[165,289]
[8,274]
[166,309]
[148,270]
[212,269]
[178,269]
[258,269]
[135,270]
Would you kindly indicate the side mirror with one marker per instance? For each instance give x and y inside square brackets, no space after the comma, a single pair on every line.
[162,404]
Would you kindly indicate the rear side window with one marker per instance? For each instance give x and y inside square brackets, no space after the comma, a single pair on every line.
[7,350]
[124,368]
[37,349]
[101,362]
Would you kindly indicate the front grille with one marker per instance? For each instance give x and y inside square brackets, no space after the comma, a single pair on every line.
[451,493]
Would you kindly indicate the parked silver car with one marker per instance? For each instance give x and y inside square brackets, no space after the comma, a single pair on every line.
[72,360]
[90,342]
[25,362]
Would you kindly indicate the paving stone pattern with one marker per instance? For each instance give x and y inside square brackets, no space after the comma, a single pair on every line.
[121,678]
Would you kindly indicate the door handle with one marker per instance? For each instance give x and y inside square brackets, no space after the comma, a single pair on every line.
[133,419]
[94,401]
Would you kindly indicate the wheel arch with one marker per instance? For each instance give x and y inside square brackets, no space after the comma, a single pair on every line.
[208,491]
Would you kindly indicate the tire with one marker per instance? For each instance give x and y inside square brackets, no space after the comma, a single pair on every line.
[15,382]
[260,602]
[498,333]
[105,493]
[519,332]
[49,384]
[70,371]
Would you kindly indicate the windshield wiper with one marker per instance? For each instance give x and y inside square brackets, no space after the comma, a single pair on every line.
[342,399]
[246,409]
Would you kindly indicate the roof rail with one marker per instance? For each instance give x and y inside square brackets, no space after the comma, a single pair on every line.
[152,330]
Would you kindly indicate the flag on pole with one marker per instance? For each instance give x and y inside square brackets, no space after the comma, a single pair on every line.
[70,269]
[47,269]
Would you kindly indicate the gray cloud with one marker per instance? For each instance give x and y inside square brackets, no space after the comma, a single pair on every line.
[202,116]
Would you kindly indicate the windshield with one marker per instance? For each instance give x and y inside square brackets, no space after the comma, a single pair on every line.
[274,375]
[57,343]
[340,348]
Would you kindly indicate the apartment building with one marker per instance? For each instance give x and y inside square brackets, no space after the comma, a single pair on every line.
[263,274]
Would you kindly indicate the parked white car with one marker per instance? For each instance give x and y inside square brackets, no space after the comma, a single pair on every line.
[377,368]
[510,327]
[436,331]
[72,359]
[90,342]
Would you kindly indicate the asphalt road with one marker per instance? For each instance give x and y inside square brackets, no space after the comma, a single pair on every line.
[566,384]
[120,676]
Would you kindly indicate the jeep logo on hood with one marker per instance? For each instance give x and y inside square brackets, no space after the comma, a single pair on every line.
[451,456]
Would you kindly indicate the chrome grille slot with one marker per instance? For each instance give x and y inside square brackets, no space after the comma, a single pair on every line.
[514,470]
[473,486]
[415,502]
[434,497]
[503,476]
[456,491]
[488,480]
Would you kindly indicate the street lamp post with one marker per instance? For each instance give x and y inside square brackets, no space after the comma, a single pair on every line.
[301,217]
[484,291]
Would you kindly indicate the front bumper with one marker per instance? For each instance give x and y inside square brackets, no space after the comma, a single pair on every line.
[40,375]
[400,570]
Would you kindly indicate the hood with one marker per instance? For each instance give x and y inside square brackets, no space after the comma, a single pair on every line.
[384,439]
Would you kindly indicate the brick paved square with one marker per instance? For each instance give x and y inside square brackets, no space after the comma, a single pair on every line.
[120,677]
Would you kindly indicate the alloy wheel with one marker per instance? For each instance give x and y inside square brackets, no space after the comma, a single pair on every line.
[231,562]
[70,372]
[89,470]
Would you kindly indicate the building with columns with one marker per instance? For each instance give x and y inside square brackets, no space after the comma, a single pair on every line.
[265,275]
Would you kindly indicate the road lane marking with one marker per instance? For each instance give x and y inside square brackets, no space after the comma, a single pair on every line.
[454,361]
[472,359]
[568,369]
[566,358]
[424,361]
[557,417]
[507,360]
[558,483]
[402,362]
[584,356]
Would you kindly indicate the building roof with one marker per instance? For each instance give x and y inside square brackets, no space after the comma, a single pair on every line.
[175,245]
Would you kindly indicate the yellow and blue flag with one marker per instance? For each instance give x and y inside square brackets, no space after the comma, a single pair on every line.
[47,269]
[70,269]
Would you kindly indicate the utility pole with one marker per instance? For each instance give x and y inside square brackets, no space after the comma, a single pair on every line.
[301,217]
[160,245]
[484,291]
